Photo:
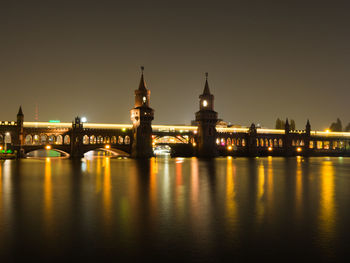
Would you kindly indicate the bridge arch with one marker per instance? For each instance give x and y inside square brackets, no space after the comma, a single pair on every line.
[114,151]
[66,139]
[52,139]
[59,139]
[43,139]
[43,150]
[28,139]
[8,138]
[86,139]
[92,139]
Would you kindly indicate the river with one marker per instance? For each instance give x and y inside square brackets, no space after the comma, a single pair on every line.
[175,209]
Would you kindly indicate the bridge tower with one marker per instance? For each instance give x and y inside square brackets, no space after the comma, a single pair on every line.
[307,138]
[287,144]
[252,147]
[20,139]
[141,117]
[206,119]
[77,139]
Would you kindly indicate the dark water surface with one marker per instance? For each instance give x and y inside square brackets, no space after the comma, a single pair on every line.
[182,209]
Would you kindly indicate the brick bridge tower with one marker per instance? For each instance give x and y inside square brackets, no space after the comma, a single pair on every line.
[141,117]
[206,119]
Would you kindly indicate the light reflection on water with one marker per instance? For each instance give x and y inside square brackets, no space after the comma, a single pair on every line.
[175,208]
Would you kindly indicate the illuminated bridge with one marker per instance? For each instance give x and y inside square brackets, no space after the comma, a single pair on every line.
[182,140]
[141,138]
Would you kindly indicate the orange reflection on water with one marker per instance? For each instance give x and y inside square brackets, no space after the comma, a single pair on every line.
[153,187]
[260,208]
[48,206]
[98,185]
[194,183]
[327,208]
[1,209]
[231,206]
[269,183]
[107,200]
[298,188]
[179,198]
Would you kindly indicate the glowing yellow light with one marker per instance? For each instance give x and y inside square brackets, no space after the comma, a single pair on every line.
[107,146]
[0,147]
[194,144]
[327,130]
[229,148]
[270,148]
[48,147]
[123,129]
[205,103]
[195,132]
[299,149]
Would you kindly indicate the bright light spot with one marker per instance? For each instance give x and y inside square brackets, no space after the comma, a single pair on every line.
[123,129]
[107,146]
[0,148]
[299,149]
[144,99]
[195,132]
[270,148]
[327,130]
[7,134]
[194,144]
[229,148]
[48,147]
[83,119]
[205,103]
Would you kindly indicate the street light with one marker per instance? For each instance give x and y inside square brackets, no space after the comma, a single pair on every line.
[83,119]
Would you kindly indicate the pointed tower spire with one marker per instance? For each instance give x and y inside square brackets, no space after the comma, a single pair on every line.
[206,90]
[20,112]
[308,127]
[142,85]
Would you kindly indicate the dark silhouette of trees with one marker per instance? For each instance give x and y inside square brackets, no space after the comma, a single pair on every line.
[292,124]
[336,126]
[280,124]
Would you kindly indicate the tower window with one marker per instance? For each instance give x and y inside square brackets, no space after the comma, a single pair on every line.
[205,103]
[144,99]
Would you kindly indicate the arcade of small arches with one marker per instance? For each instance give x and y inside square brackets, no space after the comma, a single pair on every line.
[278,143]
[44,139]
[241,142]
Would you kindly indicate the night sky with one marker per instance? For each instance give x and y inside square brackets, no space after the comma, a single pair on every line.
[266,59]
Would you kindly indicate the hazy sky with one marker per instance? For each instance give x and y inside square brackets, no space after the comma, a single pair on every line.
[266,59]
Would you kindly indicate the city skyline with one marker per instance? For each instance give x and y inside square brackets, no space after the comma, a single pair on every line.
[72,59]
